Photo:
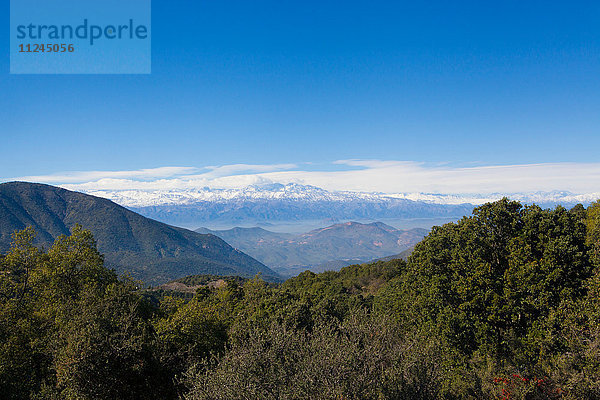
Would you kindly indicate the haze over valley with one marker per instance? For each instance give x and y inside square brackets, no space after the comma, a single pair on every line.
[329,248]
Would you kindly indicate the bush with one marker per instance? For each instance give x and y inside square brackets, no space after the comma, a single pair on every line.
[364,357]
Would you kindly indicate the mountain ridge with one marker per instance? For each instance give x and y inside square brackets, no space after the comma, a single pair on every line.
[330,247]
[295,191]
[147,249]
[275,204]
[292,202]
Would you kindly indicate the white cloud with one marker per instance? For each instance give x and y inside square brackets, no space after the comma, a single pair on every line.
[189,177]
[349,175]
[239,169]
[85,176]
[399,177]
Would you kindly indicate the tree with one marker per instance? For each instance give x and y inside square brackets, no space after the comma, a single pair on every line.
[488,283]
[24,360]
[593,231]
[105,350]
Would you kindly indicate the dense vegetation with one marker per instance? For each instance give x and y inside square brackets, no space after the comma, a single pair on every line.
[503,304]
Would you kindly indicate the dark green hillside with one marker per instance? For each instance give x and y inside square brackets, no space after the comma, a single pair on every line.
[149,250]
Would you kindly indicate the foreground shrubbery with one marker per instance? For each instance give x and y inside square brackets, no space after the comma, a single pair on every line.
[362,357]
[504,304]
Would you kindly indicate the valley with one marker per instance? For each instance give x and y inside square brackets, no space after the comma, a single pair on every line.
[329,248]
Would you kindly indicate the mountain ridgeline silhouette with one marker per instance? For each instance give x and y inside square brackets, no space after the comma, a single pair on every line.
[148,250]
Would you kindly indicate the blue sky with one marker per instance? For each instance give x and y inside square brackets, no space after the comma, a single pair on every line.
[277,82]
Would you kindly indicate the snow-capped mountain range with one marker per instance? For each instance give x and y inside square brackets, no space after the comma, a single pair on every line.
[545,199]
[292,191]
[297,192]
[278,203]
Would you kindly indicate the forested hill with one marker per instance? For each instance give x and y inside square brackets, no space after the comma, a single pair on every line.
[149,250]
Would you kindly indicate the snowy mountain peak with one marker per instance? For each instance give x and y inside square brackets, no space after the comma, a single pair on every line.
[279,203]
[291,191]
[298,192]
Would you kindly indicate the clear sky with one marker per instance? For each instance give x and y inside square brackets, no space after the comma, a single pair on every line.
[276,82]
